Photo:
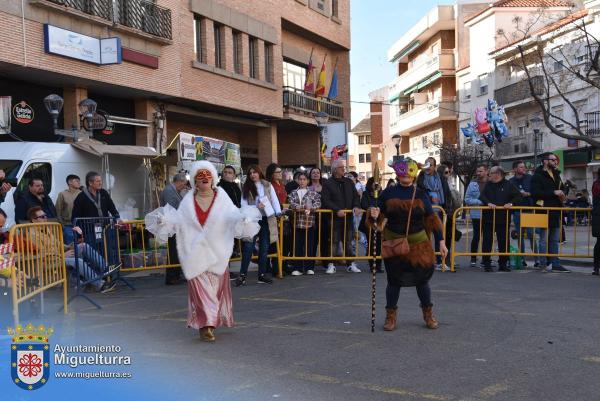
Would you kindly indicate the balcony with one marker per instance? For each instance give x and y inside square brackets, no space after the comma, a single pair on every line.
[514,146]
[443,62]
[593,124]
[141,15]
[426,114]
[298,101]
[518,92]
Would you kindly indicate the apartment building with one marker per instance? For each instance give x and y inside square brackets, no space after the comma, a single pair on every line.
[565,46]
[422,97]
[229,69]
[359,148]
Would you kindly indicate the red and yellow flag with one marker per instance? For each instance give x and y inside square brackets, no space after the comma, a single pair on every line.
[320,91]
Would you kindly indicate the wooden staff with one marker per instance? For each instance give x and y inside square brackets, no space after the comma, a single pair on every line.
[374,265]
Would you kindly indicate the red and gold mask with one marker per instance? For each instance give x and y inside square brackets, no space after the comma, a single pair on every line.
[202,175]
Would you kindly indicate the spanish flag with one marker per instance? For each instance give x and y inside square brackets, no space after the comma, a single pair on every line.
[320,91]
[309,83]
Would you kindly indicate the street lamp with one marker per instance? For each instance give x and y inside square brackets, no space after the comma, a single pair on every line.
[397,140]
[536,123]
[87,108]
[321,118]
[54,104]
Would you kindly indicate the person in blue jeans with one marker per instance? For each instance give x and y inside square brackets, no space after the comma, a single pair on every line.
[522,181]
[260,193]
[472,199]
[547,191]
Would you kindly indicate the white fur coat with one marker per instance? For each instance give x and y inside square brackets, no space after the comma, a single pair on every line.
[208,247]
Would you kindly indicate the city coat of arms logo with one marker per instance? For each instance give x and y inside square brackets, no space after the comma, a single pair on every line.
[30,356]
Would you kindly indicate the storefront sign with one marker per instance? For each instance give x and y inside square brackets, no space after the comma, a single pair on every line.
[23,112]
[186,146]
[81,47]
[98,122]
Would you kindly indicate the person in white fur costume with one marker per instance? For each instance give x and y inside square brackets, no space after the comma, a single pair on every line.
[206,223]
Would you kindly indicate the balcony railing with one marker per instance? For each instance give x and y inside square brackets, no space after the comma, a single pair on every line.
[425,114]
[515,146]
[297,100]
[137,14]
[519,91]
[593,123]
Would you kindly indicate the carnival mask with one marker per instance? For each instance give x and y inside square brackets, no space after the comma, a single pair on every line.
[405,167]
[203,175]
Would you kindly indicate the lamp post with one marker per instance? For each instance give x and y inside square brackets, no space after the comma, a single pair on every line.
[54,104]
[321,118]
[536,123]
[397,140]
[87,108]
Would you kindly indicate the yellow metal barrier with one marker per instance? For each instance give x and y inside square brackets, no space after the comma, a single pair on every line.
[39,257]
[325,217]
[531,218]
[139,251]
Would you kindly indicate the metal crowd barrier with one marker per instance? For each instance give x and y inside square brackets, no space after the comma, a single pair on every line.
[323,232]
[534,224]
[96,254]
[39,263]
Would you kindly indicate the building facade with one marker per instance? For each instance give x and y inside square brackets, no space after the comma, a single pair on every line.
[422,96]
[359,148]
[231,69]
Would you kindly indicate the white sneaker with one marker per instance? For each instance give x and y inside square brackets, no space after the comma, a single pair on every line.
[296,273]
[353,268]
[549,268]
[310,272]
[330,269]
[438,267]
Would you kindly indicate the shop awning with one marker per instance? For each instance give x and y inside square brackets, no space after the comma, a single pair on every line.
[99,149]
[423,83]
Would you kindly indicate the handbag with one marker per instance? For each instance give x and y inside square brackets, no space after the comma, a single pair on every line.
[399,246]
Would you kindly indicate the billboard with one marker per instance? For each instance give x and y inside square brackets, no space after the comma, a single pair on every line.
[219,152]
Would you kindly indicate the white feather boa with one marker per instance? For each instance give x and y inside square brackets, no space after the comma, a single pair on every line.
[204,248]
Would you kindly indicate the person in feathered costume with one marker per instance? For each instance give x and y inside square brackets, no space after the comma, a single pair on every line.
[415,268]
[206,224]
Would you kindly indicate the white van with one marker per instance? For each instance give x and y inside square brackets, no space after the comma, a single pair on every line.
[124,172]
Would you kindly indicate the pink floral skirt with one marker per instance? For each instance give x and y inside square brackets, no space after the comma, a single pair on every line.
[209,301]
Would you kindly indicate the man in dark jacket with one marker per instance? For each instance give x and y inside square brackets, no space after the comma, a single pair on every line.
[547,191]
[338,194]
[522,181]
[34,196]
[499,195]
[172,195]
[228,183]
[93,201]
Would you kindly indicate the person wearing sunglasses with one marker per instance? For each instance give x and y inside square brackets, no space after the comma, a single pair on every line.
[547,190]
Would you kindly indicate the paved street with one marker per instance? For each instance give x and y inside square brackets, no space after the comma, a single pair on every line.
[503,336]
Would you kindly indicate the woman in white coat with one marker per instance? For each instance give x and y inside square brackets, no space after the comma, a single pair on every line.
[206,223]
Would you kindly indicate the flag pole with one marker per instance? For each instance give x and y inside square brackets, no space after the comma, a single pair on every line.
[376,179]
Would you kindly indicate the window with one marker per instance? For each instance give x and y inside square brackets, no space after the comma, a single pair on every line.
[367,138]
[334,9]
[252,57]
[368,157]
[198,40]
[557,115]
[436,138]
[424,141]
[361,139]
[237,52]
[361,158]
[558,66]
[483,84]
[218,29]
[516,148]
[521,129]
[269,62]
[293,75]
[467,91]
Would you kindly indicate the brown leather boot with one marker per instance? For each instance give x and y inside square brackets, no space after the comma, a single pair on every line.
[390,319]
[429,318]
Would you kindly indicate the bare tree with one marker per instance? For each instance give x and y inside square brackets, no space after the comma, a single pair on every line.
[465,160]
[557,56]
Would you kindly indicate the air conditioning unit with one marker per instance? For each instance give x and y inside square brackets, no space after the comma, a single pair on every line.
[418,98]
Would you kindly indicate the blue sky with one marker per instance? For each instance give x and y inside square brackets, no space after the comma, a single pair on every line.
[376,25]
